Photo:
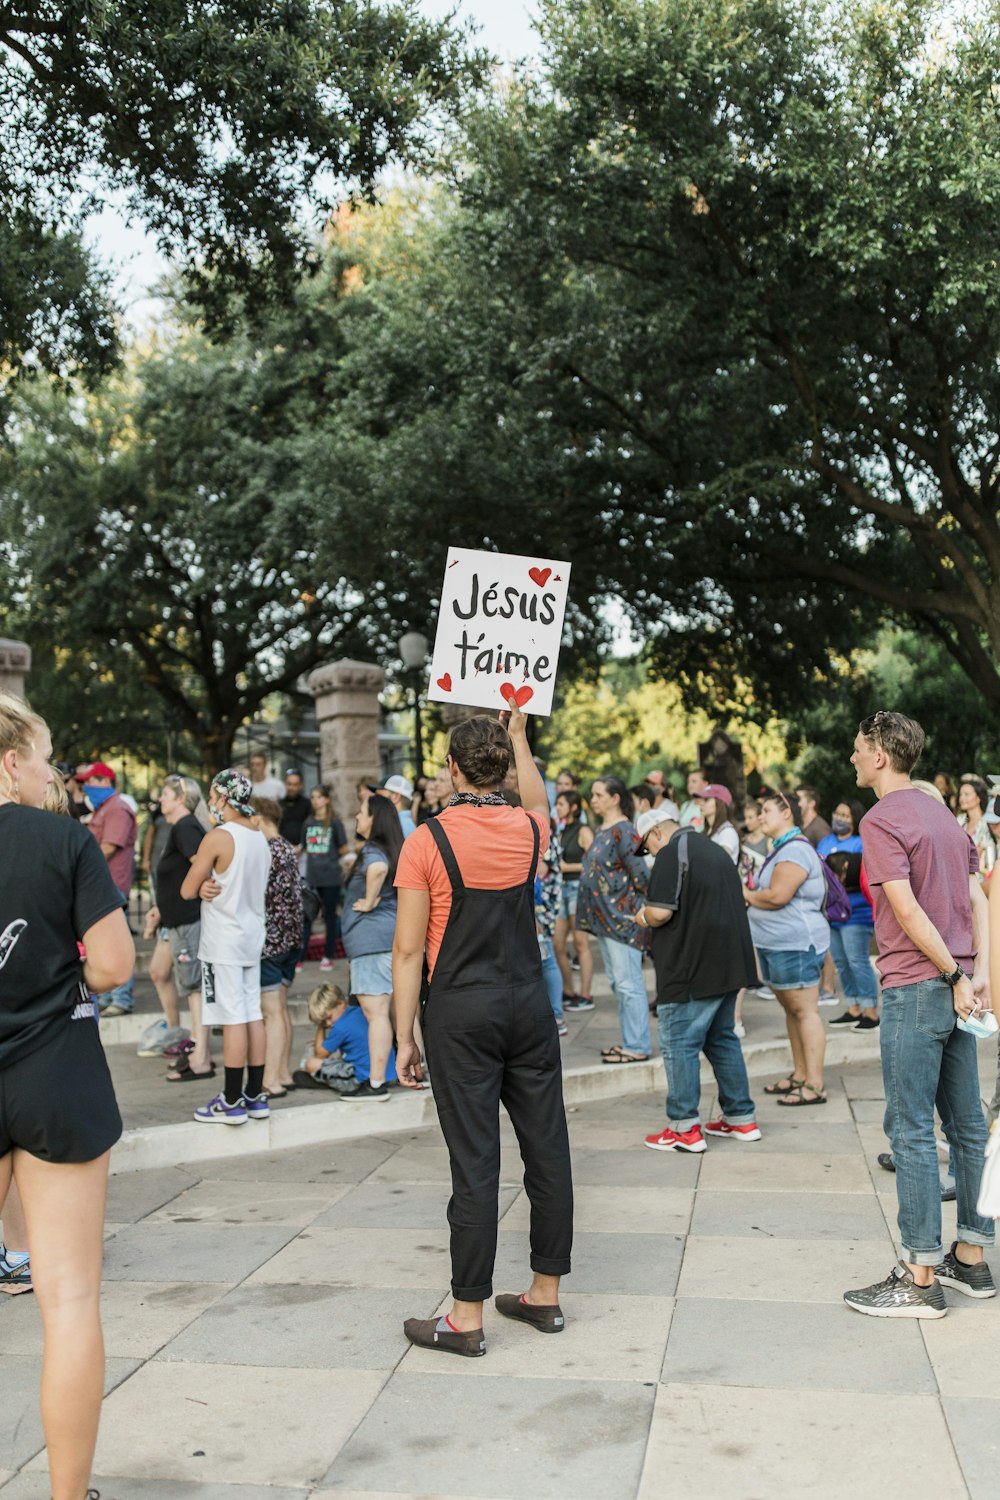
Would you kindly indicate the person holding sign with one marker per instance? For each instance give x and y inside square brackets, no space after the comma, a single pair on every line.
[466,891]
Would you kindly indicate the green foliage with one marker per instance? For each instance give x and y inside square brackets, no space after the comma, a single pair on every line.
[216,125]
[737,263]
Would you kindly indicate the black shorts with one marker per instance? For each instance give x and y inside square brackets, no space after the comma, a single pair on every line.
[59,1102]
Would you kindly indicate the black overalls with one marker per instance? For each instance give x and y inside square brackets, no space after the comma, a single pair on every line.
[491,1038]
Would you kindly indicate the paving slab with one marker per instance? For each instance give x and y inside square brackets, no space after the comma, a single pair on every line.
[814,1346]
[20,1420]
[334,1161]
[303,1327]
[814,1137]
[799,1216]
[619,1210]
[383,1205]
[416,1258]
[239,1202]
[506,1438]
[218,1430]
[974,1424]
[138,1317]
[738,1268]
[710,1440]
[736,1167]
[635,1264]
[35,1486]
[133,1195]
[605,1338]
[191,1252]
[955,1344]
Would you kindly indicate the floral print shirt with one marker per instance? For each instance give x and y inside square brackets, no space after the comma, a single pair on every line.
[612,886]
[282,901]
[548,890]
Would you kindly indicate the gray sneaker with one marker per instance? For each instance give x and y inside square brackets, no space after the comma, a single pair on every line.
[898,1296]
[974,1281]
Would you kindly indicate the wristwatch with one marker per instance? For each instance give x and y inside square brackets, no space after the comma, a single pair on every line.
[956,977]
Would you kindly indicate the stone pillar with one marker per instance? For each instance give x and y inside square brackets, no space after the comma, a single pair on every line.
[721,758]
[15,664]
[347,712]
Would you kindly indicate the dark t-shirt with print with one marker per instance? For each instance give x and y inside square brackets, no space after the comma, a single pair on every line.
[54,886]
[183,841]
[705,950]
[322,841]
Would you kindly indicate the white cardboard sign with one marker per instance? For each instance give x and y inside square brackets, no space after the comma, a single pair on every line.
[500,626]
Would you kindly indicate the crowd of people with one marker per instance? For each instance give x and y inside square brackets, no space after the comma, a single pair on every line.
[465,909]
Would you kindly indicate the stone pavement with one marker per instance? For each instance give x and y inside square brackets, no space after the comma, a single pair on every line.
[253,1311]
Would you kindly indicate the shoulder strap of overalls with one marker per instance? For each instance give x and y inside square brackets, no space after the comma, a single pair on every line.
[447,854]
[535,841]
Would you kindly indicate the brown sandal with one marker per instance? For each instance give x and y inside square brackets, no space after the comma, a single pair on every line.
[784,1088]
[796,1099]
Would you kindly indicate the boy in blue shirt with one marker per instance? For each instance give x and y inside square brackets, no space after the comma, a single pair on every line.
[340,1057]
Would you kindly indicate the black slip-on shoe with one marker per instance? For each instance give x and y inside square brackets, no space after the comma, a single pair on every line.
[974,1281]
[545,1319]
[424,1332]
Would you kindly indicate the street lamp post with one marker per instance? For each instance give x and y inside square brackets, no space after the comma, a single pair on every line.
[413,652]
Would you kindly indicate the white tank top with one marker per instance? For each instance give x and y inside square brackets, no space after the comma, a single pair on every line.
[232,926]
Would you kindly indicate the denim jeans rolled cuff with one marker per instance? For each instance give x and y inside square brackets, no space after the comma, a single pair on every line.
[686,1031]
[928,1062]
[623,965]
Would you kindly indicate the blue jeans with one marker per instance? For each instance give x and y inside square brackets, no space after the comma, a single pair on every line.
[688,1030]
[851,947]
[551,975]
[122,996]
[623,966]
[926,1060]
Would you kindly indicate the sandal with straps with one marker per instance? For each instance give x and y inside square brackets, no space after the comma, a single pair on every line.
[784,1088]
[796,1099]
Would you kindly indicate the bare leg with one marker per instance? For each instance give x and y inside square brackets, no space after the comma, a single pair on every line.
[376,1013]
[15,1230]
[64,1206]
[582,941]
[244,1043]
[543,1291]
[806,1033]
[161,972]
[275,1042]
[466,1316]
[201,1054]
[199,1059]
[286,1061]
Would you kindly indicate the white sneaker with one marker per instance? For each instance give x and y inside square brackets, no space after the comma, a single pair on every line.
[739,1029]
[325,965]
[765,992]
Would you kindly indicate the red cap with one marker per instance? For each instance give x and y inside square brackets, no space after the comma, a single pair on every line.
[97,769]
[718,791]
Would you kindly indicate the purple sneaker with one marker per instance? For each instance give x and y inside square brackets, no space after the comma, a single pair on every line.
[180,1048]
[218,1112]
[257,1109]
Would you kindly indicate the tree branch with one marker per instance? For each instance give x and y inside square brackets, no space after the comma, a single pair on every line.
[36,67]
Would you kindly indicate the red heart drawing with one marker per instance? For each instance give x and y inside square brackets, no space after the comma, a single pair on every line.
[520,695]
[444,683]
[539,576]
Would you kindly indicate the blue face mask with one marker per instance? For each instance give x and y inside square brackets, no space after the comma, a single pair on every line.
[215,813]
[96,795]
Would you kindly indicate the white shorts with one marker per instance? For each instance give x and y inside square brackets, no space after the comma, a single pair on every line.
[230,994]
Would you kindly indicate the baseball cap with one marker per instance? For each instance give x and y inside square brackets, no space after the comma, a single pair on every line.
[236,789]
[718,791]
[87,773]
[667,812]
[399,785]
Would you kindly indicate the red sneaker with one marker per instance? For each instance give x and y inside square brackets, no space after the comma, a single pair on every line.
[668,1140]
[749,1132]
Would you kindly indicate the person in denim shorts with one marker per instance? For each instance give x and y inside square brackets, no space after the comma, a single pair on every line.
[788,923]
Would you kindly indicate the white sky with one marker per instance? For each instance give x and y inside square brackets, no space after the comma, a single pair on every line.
[505,28]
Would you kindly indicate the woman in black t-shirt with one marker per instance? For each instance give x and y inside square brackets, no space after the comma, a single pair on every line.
[325,844]
[58,1115]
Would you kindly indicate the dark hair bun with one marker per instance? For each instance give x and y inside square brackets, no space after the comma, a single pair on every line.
[482,750]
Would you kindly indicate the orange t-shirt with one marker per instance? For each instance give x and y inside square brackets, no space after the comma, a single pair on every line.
[492,847]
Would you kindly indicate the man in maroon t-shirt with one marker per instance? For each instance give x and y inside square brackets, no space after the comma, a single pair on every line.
[930,924]
[113,826]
